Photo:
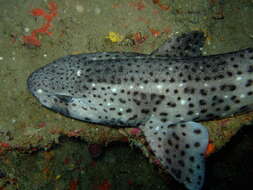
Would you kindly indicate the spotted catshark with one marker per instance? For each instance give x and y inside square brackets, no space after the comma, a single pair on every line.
[166,94]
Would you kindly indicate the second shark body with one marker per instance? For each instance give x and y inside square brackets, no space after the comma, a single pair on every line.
[165,94]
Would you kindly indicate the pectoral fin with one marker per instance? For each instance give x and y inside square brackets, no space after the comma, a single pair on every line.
[186,45]
[180,148]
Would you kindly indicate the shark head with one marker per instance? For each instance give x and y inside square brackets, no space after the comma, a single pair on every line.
[54,85]
[74,87]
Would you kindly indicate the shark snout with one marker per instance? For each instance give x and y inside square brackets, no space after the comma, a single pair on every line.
[32,83]
[40,80]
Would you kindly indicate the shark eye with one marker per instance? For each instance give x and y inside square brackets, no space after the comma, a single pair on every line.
[65,99]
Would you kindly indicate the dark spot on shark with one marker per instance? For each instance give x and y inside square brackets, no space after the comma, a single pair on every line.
[203,111]
[170,142]
[181,163]
[207,78]
[249,83]
[175,136]
[202,102]
[197,144]
[168,160]
[163,120]
[188,180]
[190,112]
[180,74]
[157,102]
[191,105]
[175,91]
[239,72]
[172,80]
[189,77]
[203,92]
[227,87]
[229,73]
[191,170]
[122,101]
[171,104]
[210,115]
[226,108]
[189,90]
[221,101]
[145,111]
[163,114]
[197,79]
[235,65]
[129,110]
[143,96]
[192,159]
[133,117]
[161,97]
[197,131]
[213,89]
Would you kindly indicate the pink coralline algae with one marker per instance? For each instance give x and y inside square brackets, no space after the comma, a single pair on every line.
[135,131]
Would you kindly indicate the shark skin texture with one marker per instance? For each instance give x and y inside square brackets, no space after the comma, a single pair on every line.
[166,94]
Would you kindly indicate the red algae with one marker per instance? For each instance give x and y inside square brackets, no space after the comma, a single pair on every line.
[4,145]
[42,124]
[154,32]
[210,149]
[73,184]
[139,38]
[139,5]
[165,7]
[135,131]
[44,29]
[105,185]
[162,6]
[156,1]
[130,182]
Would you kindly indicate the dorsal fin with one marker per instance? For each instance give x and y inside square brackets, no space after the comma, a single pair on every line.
[186,45]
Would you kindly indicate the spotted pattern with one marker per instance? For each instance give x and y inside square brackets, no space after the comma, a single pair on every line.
[180,148]
[161,94]
[186,45]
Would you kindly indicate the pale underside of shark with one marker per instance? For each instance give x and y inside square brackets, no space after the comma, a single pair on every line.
[165,94]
